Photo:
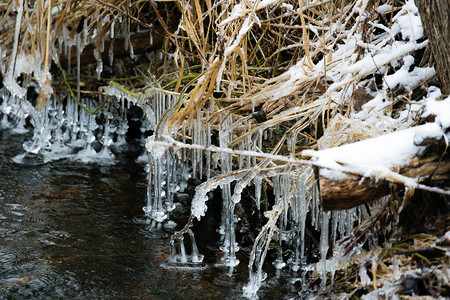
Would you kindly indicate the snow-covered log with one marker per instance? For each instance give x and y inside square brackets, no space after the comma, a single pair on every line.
[353,190]
[361,172]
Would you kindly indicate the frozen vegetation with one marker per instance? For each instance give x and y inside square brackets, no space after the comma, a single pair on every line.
[351,75]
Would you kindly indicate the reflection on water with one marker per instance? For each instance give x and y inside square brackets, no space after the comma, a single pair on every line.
[67,230]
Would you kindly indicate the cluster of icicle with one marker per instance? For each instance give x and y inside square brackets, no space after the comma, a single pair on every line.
[295,190]
[167,172]
[66,131]
[70,131]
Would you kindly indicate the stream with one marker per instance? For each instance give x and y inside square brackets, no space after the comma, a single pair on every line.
[73,230]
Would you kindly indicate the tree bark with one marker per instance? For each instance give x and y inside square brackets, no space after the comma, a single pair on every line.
[351,191]
[435,15]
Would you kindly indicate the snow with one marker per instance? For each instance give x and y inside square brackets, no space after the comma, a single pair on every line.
[370,63]
[440,109]
[242,9]
[408,79]
[382,9]
[244,29]
[408,22]
[287,6]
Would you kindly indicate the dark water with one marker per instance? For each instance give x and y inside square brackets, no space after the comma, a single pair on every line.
[67,230]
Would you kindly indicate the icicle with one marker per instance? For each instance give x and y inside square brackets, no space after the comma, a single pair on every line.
[201,142]
[171,186]
[249,145]
[6,108]
[20,126]
[276,187]
[285,195]
[99,68]
[148,208]
[316,210]
[113,24]
[78,65]
[69,58]
[279,263]
[9,79]
[258,187]
[158,211]
[324,236]
[102,48]
[254,283]
[229,245]
[175,256]
[108,129]
[185,172]
[296,263]
[173,252]
[82,120]
[302,211]
[193,154]
[196,257]
[183,257]
[2,64]
[41,137]
[241,157]
[260,247]
[208,143]
[352,216]
[85,31]
[259,138]
[122,128]
[336,218]
[111,54]
[74,117]
[132,56]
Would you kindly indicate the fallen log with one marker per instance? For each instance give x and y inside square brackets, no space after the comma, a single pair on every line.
[362,172]
[354,190]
